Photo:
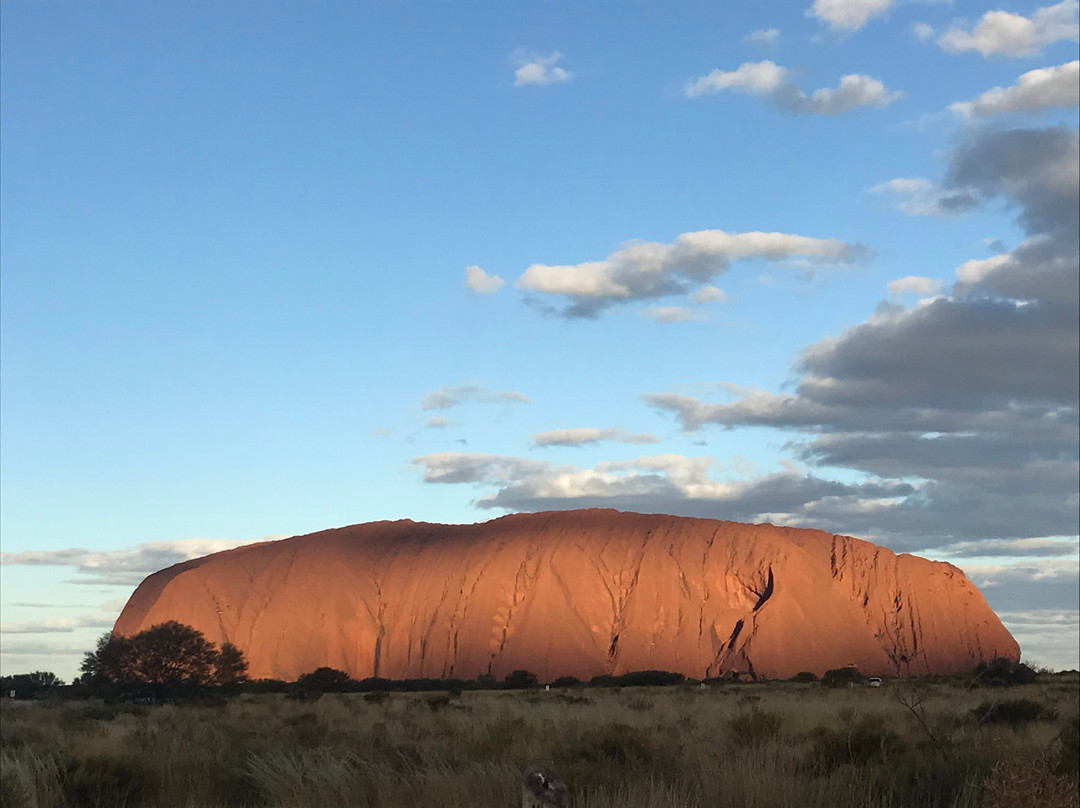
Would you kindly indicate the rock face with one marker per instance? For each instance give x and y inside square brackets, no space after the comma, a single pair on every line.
[576,593]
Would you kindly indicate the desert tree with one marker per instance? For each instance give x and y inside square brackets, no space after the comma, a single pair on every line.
[230,667]
[172,653]
[521,680]
[326,680]
[163,658]
[29,685]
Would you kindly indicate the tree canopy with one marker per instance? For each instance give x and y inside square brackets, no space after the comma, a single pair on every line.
[166,655]
[29,685]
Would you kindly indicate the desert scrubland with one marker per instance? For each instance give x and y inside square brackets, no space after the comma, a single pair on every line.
[762,745]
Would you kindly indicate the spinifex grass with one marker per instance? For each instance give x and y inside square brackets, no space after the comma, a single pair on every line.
[733,746]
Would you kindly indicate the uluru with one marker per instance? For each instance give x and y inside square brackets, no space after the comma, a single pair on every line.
[576,593]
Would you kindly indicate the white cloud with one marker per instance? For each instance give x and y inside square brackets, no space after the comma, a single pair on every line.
[540,70]
[771,80]
[1036,89]
[922,31]
[584,436]
[763,36]
[103,617]
[667,483]
[916,285]
[854,91]
[436,422]
[1047,636]
[470,467]
[760,78]
[973,393]
[848,15]
[986,576]
[921,197]
[476,280]
[977,269]
[381,432]
[673,314]
[44,651]
[446,397]
[646,270]
[127,566]
[1043,547]
[1008,34]
[708,294]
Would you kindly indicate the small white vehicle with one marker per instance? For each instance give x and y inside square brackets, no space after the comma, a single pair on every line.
[874,681]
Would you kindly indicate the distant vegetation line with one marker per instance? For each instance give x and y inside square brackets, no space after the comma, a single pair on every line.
[171,661]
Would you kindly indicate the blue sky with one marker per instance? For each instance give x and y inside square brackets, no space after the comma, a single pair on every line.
[785,262]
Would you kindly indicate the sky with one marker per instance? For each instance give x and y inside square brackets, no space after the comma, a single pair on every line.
[272,268]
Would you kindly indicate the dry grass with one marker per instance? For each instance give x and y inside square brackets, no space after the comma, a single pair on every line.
[738,746]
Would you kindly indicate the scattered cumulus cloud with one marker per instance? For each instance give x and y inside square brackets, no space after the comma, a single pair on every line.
[1027,571]
[708,294]
[585,436]
[848,15]
[673,314]
[981,548]
[381,432]
[103,617]
[921,197]
[542,70]
[668,483]
[760,78]
[763,36]
[974,392]
[446,397]
[1047,636]
[915,285]
[1036,89]
[771,80]
[1006,34]
[45,652]
[922,31]
[854,91]
[472,467]
[476,280]
[647,270]
[436,422]
[124,567]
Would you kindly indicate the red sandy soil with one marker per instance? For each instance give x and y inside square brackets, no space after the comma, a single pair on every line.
[576,593]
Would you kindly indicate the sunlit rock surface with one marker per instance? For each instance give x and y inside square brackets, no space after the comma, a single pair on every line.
[576,593]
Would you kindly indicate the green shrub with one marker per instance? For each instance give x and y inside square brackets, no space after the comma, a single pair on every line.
[650,679]
[754,727]
[804,676]
[1068,749]
[864,743]
[264,686]
[1013,713]
[100,781]
[1003,672]
[440,702]
[842,677]
[615,743]
[566,681]
[521,680]
[328,680]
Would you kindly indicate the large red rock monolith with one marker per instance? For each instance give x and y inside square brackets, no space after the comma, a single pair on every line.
[576,593]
